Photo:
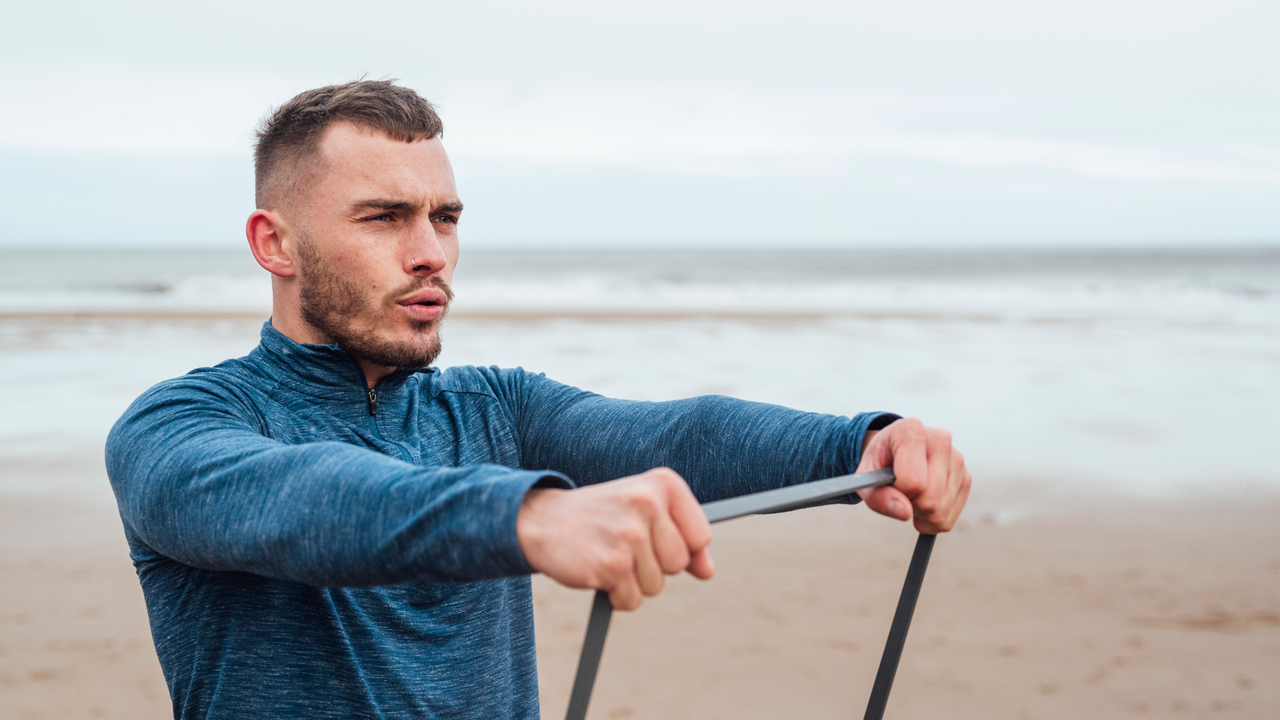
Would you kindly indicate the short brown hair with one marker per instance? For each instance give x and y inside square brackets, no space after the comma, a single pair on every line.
[291,133]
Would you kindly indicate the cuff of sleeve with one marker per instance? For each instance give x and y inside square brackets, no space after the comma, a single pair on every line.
[882,420]
[477,525]
[509,553]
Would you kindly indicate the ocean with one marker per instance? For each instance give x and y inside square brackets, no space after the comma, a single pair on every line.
[1105,373]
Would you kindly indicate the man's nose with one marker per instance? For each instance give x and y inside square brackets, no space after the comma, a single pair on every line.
[425,255]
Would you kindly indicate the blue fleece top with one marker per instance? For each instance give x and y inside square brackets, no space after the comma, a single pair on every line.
[308,550]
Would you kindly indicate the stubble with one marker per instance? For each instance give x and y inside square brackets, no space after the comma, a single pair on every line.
[357,321]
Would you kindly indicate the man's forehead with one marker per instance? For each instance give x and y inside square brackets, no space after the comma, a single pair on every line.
[367,161]
[346,133]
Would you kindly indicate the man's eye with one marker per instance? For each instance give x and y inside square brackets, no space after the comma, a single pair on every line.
[447,219]
[384,217]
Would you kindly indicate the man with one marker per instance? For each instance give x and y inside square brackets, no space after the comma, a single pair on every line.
[331,528]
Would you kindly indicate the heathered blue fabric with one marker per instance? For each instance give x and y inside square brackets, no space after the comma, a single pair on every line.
[302,558]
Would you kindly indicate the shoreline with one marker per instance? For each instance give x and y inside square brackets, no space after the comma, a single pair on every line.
[524,315]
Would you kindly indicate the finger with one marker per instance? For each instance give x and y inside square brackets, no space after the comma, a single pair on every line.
[647,570]
[933,505]
[669,545]
[957,475]
[701,566]
[962,497]
[626,594]
[957,471]
[947,523]
[941,517]
[907,446]
[887,501]
[958,483]
[617,574]
[687,514]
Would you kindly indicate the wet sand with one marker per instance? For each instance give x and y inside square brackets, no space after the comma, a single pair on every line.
[1039,608]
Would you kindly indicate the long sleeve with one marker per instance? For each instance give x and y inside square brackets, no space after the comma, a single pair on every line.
[723,447]
[197,480]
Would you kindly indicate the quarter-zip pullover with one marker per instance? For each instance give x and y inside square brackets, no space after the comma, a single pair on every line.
[311,548]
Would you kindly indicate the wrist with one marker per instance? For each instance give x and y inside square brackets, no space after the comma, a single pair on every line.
[866,440]
[531,522]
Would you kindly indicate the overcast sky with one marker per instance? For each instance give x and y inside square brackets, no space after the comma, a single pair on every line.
[672,123]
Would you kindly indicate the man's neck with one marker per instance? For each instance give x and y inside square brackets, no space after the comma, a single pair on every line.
[303,333]
[373,374]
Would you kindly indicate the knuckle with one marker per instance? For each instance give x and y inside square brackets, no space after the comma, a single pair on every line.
[632,535]
[617,565]
[645,503]
[675,482]
[928,507]
[911,486]
[663,474]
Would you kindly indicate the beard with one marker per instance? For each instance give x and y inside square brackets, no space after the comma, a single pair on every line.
[360,322]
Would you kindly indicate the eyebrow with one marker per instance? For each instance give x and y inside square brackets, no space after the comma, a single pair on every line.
[385,204]
[392,204]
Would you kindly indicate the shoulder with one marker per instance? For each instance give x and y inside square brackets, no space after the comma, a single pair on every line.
[231,380]
[517,390]
[219,397]
[493,381]
[232,387]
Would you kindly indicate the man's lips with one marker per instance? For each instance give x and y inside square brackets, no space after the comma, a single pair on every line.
[426,304]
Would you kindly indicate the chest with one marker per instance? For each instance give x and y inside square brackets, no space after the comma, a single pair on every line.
[450,429]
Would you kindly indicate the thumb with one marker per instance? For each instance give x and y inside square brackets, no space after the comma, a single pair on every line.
[701,566]
[888,501]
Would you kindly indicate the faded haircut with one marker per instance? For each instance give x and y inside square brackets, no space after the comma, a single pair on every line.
[290,135]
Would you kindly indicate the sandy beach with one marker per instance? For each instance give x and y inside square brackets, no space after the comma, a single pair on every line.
[1104,610]
[1119,558]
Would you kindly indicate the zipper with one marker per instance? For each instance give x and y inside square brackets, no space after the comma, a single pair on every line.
[373,426]
[372,398]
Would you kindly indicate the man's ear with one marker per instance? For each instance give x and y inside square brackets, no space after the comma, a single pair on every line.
[265,231]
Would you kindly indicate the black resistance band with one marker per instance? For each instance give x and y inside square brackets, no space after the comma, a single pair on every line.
[774,501]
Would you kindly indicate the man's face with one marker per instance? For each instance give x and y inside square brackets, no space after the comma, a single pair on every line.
[377,243]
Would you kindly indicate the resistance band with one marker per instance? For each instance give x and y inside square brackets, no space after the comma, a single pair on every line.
[778,500]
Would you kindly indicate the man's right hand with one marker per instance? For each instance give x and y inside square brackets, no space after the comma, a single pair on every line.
[621,536]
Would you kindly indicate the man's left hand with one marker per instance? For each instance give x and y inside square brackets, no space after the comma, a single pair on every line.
[932,482]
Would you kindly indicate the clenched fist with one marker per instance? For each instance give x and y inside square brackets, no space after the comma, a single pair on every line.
[622,536]
[932,482]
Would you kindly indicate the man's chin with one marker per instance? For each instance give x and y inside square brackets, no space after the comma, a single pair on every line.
[419,349]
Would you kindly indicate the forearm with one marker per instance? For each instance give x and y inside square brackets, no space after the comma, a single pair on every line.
[202,490]
[723,447]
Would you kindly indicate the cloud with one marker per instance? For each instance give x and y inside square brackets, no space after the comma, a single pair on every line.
[137,109]
[801,136]
[918,119]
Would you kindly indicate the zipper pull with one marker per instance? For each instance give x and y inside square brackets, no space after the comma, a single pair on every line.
[373,401]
